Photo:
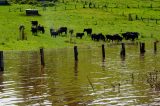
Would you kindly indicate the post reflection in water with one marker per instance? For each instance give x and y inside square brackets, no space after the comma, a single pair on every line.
[1,82]
[123,58]
[142,56]
[76,69]
[32,80]
[103,63]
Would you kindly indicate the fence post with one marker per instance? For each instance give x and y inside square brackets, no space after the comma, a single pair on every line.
[155,46]
[142,48]
[1,61]
[103,51]
[123,51]
[42,56]
[75,53]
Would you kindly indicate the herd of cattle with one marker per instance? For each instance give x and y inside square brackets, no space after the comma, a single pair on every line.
[96,37]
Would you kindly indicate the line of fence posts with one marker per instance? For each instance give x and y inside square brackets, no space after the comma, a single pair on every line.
[122,53]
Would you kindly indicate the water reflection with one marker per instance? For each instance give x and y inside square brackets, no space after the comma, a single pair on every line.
[142,56]
[76,69]
[32,82]
[63,81]
[1,81]
[103,64]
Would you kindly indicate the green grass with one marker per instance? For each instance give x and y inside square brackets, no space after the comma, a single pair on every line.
[109,20]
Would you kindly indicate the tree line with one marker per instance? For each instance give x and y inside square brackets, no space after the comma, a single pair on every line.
[45,2]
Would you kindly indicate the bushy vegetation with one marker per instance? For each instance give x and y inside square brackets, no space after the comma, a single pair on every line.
[107,17]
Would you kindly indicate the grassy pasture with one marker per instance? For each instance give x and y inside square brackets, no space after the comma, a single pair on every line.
[108,20]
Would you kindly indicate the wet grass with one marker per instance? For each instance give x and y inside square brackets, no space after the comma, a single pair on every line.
[110,20]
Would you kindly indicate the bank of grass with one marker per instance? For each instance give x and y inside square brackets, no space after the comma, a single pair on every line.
[107,21]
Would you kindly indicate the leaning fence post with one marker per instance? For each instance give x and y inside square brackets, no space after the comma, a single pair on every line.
[75,53]
[123,51]
[103,51]
[1,61]
[42,56]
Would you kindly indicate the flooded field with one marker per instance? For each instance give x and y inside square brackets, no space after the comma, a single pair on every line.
[133,80]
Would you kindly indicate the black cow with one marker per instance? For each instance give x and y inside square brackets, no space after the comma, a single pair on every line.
[71,31]
[62,29]
[88,30]
[80,35]
[117,37]
[53,33]
[41,29]
[109,38]
[95,37]
[101,36]
[130,35]
[34,23]
[34,30]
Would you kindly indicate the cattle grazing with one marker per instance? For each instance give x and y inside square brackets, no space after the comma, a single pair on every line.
[53,33]
[95,37]
[41,29]
[34,27]
[101,36]
[117,37]
[34,30]
[34,23]
[130,35]
[80,35]
[61,30]
[109,38]
[88,30]
[98,37]
[71,31]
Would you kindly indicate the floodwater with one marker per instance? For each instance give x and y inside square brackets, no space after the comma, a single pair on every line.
[92,81]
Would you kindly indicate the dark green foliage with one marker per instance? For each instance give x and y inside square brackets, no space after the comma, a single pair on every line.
[34,2]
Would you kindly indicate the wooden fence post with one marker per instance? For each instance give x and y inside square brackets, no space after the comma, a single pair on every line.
[103,51]
[123,51]
[1,61]
[155,46]
[142,48]
[75,53]
[42,56]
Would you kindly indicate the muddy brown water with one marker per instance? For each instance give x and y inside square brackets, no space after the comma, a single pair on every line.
[90,81]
